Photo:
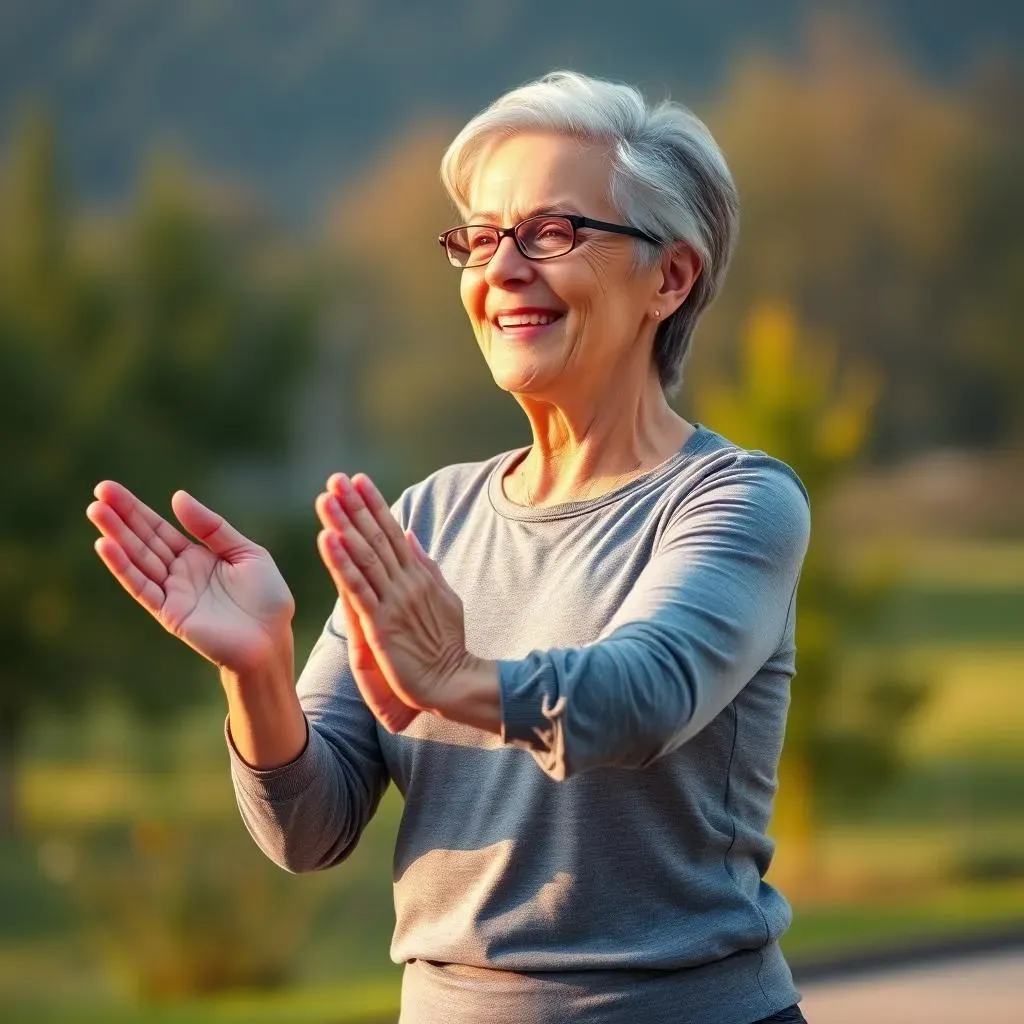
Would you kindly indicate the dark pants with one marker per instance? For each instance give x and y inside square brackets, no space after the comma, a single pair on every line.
[790,1015]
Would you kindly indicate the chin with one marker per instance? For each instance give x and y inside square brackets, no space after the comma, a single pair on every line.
[519,374]
[529,370]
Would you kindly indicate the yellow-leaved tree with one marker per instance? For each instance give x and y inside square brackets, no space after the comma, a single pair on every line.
[790,398]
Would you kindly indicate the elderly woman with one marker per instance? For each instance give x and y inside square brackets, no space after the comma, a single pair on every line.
[573,659]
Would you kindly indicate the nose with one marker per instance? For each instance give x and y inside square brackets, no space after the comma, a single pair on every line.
[508,264]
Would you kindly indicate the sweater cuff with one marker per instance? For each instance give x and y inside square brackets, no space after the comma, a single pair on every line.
[530,713]
[286,781]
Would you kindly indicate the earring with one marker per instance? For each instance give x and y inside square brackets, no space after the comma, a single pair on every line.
[657,312]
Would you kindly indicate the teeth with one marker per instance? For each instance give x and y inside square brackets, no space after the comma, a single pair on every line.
[524,319]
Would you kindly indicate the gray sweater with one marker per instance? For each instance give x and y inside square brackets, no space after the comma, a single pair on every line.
[603,859]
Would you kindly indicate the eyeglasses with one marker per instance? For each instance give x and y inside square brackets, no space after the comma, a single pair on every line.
[538,238]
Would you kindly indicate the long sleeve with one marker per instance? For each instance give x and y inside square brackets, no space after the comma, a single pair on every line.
[708,610]
[309,814]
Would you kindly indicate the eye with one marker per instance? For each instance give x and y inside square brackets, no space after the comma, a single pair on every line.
[546,236]
[479,237]
[554,230]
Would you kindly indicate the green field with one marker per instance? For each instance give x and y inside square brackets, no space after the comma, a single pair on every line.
[149,823]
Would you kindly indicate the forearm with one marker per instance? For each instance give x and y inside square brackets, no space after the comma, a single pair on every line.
[708,610]
[618,703]
[265,717]
[304,800]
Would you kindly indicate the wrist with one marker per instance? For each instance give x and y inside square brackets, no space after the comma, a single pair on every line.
[272,664]
[265,719]
[473,696]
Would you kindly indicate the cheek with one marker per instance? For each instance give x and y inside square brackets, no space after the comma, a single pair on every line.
[472,293]
[604,265]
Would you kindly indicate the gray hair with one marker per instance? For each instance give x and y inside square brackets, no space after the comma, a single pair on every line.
[668,178]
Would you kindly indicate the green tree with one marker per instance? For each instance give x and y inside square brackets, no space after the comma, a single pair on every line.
[791,400]
[148,348]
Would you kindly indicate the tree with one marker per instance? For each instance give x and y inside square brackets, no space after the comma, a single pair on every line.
[791,400]
[148,350]
[885,208]
[425,389]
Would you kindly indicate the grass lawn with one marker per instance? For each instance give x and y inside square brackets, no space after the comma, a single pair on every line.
[957,619]
[953,911]
[365,1002]
[368,999]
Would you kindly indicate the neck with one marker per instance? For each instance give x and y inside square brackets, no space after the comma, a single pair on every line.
[585,449]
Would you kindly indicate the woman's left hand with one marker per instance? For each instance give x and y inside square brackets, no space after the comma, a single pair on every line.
[406,626]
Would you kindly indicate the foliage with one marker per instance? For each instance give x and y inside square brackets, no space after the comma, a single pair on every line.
[791,400]
[882,207]
[175,910]
[885,210]
[146,349]
[424,387]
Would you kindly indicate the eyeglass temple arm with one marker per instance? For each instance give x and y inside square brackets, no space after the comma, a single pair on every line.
[619,229]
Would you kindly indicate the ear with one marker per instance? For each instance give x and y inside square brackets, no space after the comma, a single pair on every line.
[680,268]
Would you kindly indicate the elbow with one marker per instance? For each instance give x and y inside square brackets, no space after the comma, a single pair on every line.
[300,854]
[304,861]
[302,837]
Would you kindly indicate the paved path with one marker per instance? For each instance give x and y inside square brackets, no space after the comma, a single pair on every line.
[985,989]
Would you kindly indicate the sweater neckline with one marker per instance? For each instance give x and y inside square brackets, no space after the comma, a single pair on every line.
[504,506]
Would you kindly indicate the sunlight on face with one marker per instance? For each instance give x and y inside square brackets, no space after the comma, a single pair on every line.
[545,326]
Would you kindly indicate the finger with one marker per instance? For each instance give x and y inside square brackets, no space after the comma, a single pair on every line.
[364,521]
[385,705]
[209,527]
[385,519]
[142,556]
[154,531]
[347,576]
[149,594]
[335,519]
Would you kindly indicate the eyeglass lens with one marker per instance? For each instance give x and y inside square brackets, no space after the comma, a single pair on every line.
[538,237]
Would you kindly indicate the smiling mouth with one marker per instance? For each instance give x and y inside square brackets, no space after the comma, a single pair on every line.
[521,321]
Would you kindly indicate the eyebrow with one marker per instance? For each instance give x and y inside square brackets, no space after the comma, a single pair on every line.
[489,216]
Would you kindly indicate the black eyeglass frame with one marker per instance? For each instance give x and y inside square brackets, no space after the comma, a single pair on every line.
[576,220]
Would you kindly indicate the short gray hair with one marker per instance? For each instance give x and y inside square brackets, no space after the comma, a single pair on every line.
[668,178]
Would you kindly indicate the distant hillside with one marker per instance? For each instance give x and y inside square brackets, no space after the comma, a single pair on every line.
[294,96]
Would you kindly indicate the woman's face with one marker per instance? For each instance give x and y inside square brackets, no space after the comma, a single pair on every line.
[596,302]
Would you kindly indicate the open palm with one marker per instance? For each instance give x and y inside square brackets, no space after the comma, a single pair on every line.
[221,594]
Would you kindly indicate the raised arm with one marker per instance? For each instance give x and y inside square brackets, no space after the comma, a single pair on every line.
[305,795]
[707,612]
[223,596]
[309,814]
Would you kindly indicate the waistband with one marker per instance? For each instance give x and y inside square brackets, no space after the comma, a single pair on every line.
[738,989]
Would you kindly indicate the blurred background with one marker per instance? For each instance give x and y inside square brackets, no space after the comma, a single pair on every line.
[219,271]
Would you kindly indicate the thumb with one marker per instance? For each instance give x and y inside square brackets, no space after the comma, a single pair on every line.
[208,527]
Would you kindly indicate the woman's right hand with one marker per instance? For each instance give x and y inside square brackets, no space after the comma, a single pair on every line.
[223,596]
